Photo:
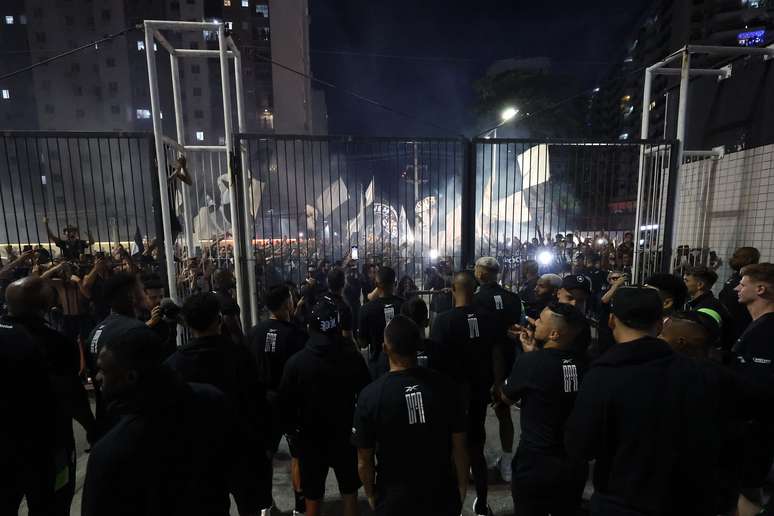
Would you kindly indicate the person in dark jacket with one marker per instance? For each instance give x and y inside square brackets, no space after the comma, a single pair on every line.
[671,289]
[223,285]
[646,415]
[213,358]
[28,300]
[317,396]
[699,281]
[176,448]
[27,434]
[742,257]
[273,342]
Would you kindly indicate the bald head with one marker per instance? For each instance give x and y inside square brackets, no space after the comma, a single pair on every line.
[685,334]
[463,287]
[28,296]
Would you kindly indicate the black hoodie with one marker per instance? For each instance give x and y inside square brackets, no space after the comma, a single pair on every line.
[648,417]
[319,390]
[176,450]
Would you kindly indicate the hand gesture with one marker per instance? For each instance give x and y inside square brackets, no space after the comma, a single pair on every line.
[526,336]
[155,317]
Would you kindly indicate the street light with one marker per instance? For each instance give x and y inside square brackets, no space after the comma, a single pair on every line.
[508,113]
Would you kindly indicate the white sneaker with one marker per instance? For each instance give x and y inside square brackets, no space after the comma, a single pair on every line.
[296,513]
[504,465]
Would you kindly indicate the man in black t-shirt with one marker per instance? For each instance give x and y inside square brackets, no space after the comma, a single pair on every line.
[505,308]
[223,284]
[465,337]
[317,397]
[412,420]
[742,257]
[754,353]
[546,378]
[374,316]
[273,342]
[71,246]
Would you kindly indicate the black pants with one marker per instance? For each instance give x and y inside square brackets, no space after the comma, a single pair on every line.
[546,484]
[64,496]
[407,500]
[27,475]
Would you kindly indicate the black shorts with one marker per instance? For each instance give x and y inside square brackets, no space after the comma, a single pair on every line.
[315,459]
[405,500]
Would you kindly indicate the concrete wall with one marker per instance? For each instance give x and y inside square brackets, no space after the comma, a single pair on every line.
[727,203]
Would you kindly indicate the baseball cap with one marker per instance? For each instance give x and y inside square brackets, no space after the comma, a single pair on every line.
[637,307]
[577,282]
[488,262]
[709,319]
[325,317]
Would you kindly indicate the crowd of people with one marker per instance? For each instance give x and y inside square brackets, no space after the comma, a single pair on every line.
[663,386]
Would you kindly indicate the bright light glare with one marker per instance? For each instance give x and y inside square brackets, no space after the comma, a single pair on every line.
[301,235]
[509,113]
[433,254]
[545,257]
[601,241]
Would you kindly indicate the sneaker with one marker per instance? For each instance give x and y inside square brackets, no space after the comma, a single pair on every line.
[504,466]
[297,513]
[478,510]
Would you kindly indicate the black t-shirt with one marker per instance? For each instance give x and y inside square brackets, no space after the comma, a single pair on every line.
[273,342]
[409,417]
[546,381]
[598,278]
[505,306]
[374,317]
[464,337]
[727,326]
[72,249]
[754,349]
[527,291]
[228,305]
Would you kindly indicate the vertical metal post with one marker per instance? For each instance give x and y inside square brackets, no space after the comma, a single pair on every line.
[229,137]
[249,208]
[644,127]
[187,216]
[682,106]
[169,244]
[468,227]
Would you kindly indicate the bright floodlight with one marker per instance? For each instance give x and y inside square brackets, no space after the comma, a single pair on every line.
[433,254]
[509,113]
[545,258]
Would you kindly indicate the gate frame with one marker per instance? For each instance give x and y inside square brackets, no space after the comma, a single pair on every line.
[226,50]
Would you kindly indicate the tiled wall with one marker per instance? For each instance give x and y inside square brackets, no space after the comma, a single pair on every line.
[726,203]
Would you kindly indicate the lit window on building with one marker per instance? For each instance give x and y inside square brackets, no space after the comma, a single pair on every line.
[229,25]
[753,4]
[140,45]
[267,119]
[245,3]
[9,20]
[226,3]
[221,140]
[200,136]
[751,38]
[143,114]
[6,94]
[262,9]
[624,136]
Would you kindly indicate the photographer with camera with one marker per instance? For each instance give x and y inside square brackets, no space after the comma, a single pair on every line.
[164,314]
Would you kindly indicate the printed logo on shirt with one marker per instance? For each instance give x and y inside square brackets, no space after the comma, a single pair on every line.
[498,302]
[389,314]
[761,360]
[473,326]
[415,406]
[271,342]
[6,326]
[95,341]
[570,378]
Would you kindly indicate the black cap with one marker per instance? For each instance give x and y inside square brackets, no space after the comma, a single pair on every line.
[637,307]
[577,282]
[325,317]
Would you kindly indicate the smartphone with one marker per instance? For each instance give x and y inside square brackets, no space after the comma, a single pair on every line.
[353,252]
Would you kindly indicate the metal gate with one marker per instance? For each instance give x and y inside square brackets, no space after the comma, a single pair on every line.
[313,200]
[100,184]
[558,201]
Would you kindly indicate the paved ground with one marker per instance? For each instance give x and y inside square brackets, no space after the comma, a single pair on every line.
[499,492]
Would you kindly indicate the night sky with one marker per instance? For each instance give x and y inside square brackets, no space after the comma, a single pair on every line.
[422,56]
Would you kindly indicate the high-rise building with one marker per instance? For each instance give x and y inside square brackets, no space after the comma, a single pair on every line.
[666,26]
[106,87]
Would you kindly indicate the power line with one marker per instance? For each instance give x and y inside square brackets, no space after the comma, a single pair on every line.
[354,94]
[96,43]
